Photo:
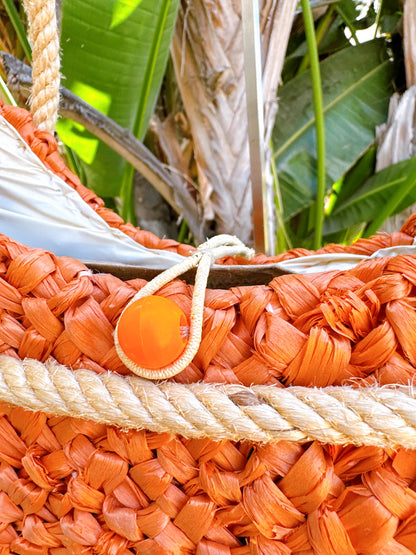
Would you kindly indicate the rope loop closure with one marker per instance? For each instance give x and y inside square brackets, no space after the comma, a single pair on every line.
[159,326]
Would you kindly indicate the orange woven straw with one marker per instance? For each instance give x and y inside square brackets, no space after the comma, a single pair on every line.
[73,486]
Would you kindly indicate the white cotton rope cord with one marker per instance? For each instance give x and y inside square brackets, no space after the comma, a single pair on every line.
[205,255]
[379,416]
[44,40]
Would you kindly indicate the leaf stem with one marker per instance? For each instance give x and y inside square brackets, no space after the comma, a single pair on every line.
[126,195]
[183,232]
[378,17]
[390,206]
[139,129]
[6,94]
[348,23]
[319,121]
[18,27]
[283,240]
[321,29]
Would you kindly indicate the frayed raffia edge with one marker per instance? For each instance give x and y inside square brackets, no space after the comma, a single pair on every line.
[379,416]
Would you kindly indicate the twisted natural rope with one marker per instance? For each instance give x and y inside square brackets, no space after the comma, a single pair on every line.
[205,255]
[44,39]
[381,416]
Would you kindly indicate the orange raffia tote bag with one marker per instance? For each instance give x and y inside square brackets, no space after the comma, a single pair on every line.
[291,429]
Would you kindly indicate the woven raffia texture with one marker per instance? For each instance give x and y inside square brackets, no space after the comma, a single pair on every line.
[72,486]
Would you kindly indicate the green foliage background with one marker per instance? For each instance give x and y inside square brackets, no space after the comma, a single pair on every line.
[115,54]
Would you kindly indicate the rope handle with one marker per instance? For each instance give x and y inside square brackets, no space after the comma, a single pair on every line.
[44,38]
[205,255]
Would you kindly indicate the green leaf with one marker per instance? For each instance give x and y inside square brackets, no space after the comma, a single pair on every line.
[372,198]
[114,57]
[356,84]
[350,8]
[294,186]
[356,176]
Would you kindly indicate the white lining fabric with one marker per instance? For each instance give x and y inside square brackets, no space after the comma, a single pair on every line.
[39,209]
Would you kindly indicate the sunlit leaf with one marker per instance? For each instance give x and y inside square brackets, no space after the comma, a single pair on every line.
[114,57]
[122,10]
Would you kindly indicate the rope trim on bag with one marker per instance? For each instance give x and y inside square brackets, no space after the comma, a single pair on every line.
[377,416]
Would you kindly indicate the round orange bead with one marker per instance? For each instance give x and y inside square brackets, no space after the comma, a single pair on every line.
[152,332]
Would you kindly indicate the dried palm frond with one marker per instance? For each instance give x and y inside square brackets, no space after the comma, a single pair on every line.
[208,57]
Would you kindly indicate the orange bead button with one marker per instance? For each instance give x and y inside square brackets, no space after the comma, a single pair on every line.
[152,332]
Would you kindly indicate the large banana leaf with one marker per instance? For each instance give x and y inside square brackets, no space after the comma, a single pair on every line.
[356,85]
[378,191]
[114,54]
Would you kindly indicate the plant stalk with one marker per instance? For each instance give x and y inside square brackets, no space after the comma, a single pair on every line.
[378,17]
[6,94]
[126,195]
[348,23]
[138,127]
[321,30]
[319,121]
[283,239]
[183,232]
